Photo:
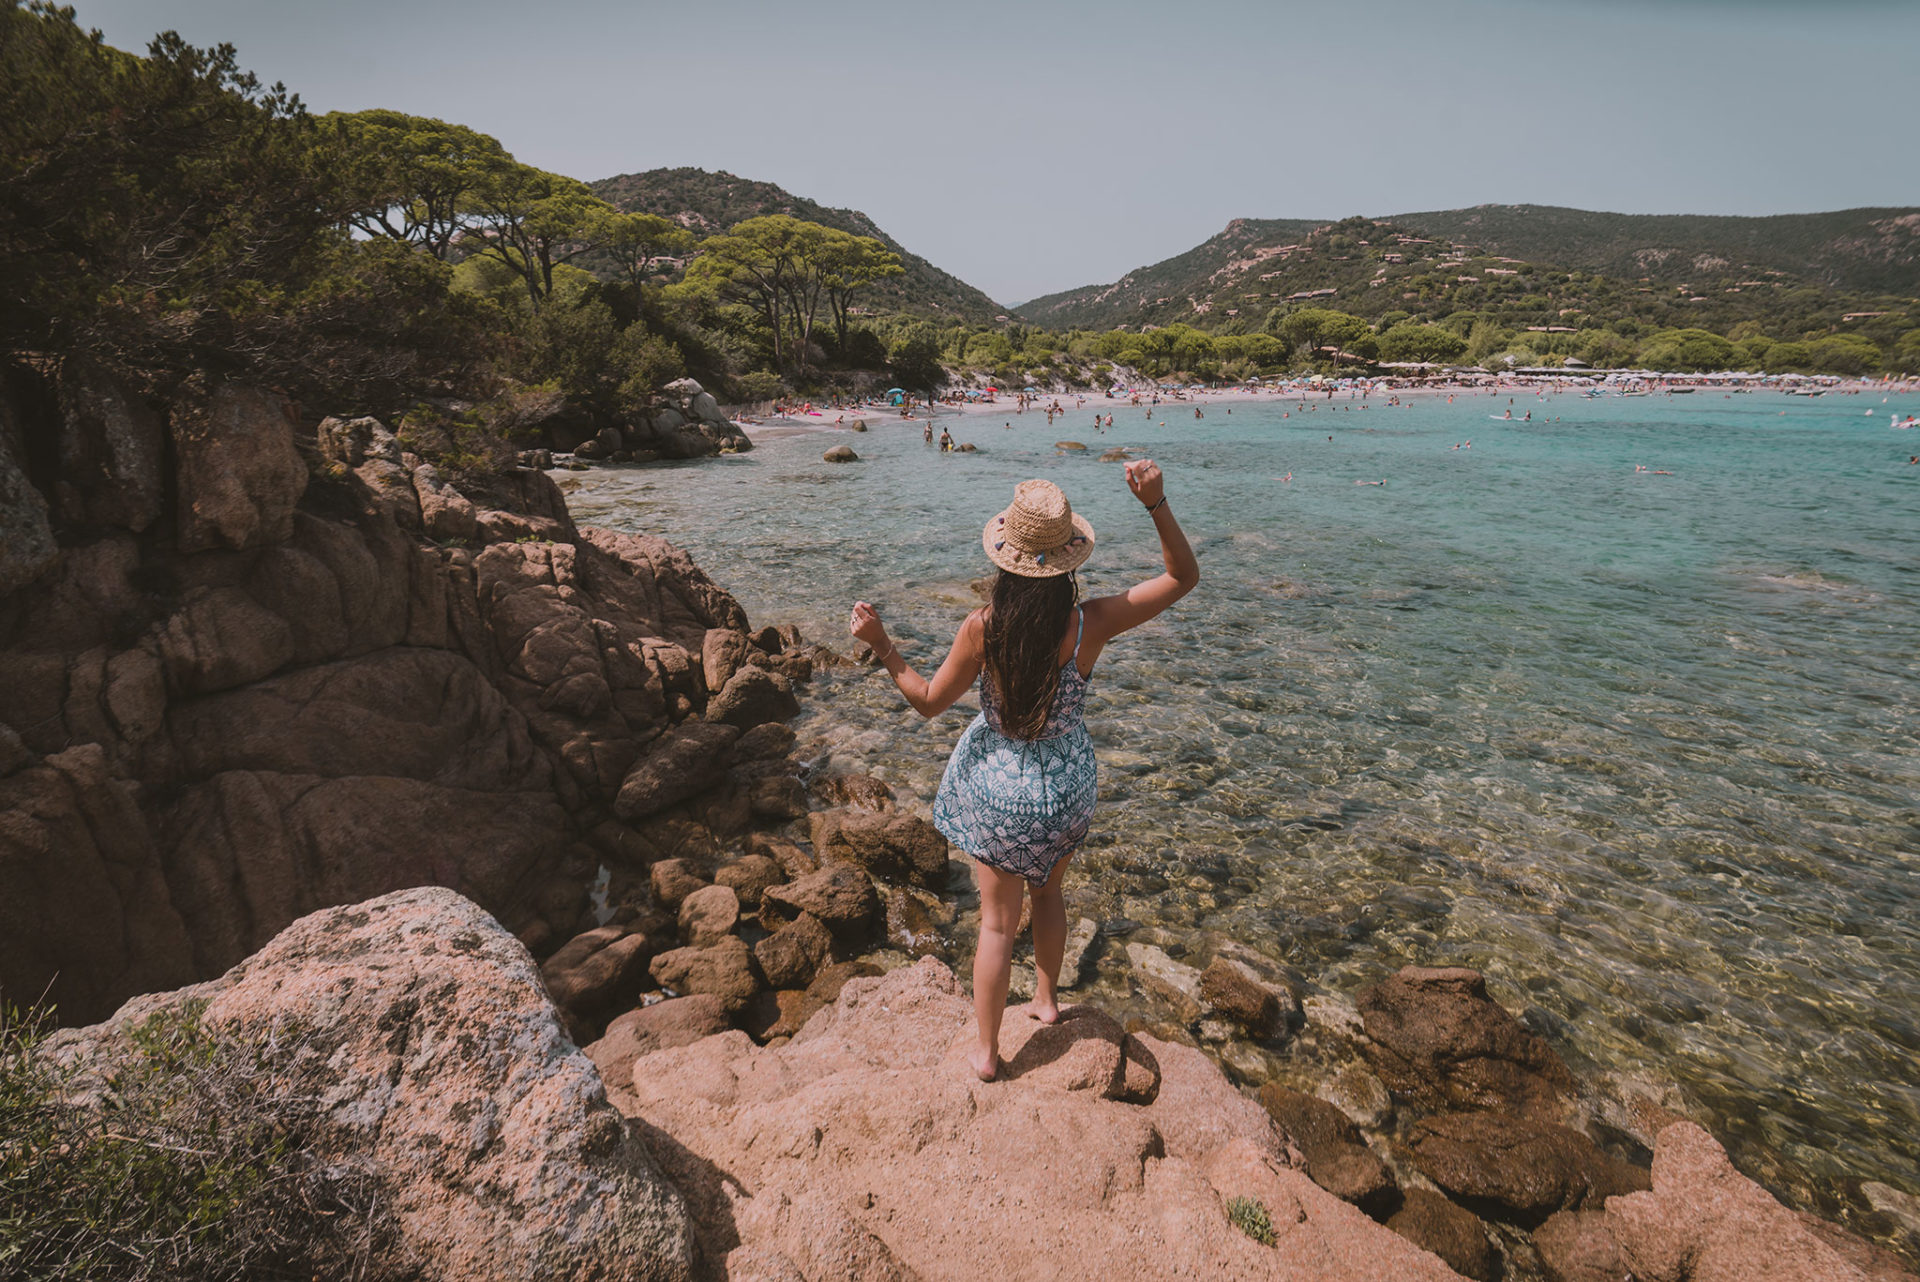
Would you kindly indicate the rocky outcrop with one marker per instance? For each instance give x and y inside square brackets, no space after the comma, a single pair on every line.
[238,473]
[1520,1170]
[885,843]
[1337,1157]
[1438,1040]
[1702,1221]
[421,1027]
[229,699]
[865,1148]
[685,423]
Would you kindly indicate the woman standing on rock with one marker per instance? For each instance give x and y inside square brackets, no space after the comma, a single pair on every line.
[1018,792]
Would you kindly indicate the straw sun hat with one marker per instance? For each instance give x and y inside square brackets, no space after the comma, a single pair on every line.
[1038,535]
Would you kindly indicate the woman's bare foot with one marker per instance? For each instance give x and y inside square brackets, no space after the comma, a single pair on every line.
[1047,1012]
[985,1066]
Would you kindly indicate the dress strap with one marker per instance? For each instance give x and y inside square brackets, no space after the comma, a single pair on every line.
[1079,630]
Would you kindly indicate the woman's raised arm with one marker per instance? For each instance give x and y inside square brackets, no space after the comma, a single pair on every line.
[928,698]
[1112,615]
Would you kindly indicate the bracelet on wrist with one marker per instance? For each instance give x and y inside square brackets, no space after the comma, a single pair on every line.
[1157,506]
[891,651]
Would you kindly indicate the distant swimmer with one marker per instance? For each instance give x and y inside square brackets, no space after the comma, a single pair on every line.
[1197,413]
[1289,475]
[1369,482]
[1527,419]
[1509,413]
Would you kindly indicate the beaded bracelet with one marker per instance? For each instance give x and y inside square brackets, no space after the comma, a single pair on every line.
[1157,506]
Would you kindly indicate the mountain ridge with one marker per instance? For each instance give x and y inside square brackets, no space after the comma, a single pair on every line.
[706,202]
[1867,251]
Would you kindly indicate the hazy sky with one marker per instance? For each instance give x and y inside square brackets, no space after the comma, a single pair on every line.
[1036,145]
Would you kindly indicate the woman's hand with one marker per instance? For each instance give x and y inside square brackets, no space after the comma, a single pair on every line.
[1144,479]
[866,626]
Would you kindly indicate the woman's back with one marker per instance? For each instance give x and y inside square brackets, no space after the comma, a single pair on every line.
[1064,714]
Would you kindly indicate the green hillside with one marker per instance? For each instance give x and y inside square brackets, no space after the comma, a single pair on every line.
[1868,251]
[1371,269]
[706,203]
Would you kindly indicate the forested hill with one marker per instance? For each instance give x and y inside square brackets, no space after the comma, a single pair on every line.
[1730,267]
[1870,251]
[706,203]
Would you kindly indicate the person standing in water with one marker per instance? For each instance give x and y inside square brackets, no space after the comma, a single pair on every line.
[1019,789]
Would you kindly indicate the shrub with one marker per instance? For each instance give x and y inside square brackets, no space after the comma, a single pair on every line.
[1251,1218]
[187,1163]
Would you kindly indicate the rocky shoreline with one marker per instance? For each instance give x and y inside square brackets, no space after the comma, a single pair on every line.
[258,678]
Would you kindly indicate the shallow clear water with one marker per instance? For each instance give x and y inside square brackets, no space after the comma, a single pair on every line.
[1641,747]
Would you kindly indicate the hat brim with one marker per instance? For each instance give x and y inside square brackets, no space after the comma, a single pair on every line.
[1054,562]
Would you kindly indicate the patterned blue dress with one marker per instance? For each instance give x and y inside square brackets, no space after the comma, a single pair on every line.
[1022,805]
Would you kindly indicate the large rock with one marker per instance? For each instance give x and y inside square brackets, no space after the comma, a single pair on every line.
[721,654]
[110,449]
[673,881]
[445,513]
[885,843]
[793,954]
[753,696]
[1230,988]
[686,760]
[865,1148]
[421,1028]
[723,970]
[237,473]
[840,895]
[86,915]
[220,638]
[709,915]
[419,714]
[1174,981]
[1456,1235]
[1705,1222]
[749,877]
[1519,1170]
[677,1021]
[1578,1246]
[352,441]
[598,970]
[1436,1039]
[1338,1159]
[248,851]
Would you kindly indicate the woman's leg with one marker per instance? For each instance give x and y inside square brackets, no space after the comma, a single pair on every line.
[993,960]
[1049,943]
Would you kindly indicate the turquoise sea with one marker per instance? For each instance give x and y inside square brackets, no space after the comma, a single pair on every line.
[1642,747]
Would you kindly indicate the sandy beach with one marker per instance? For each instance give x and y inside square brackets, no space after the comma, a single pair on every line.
[1071,408]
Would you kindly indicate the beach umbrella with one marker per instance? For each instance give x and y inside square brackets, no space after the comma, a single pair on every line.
[896,391]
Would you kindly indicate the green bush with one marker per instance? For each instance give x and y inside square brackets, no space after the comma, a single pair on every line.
[184,1164]
[1251,1218]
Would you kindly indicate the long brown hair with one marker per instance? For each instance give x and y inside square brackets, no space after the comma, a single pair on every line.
[1026,617]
